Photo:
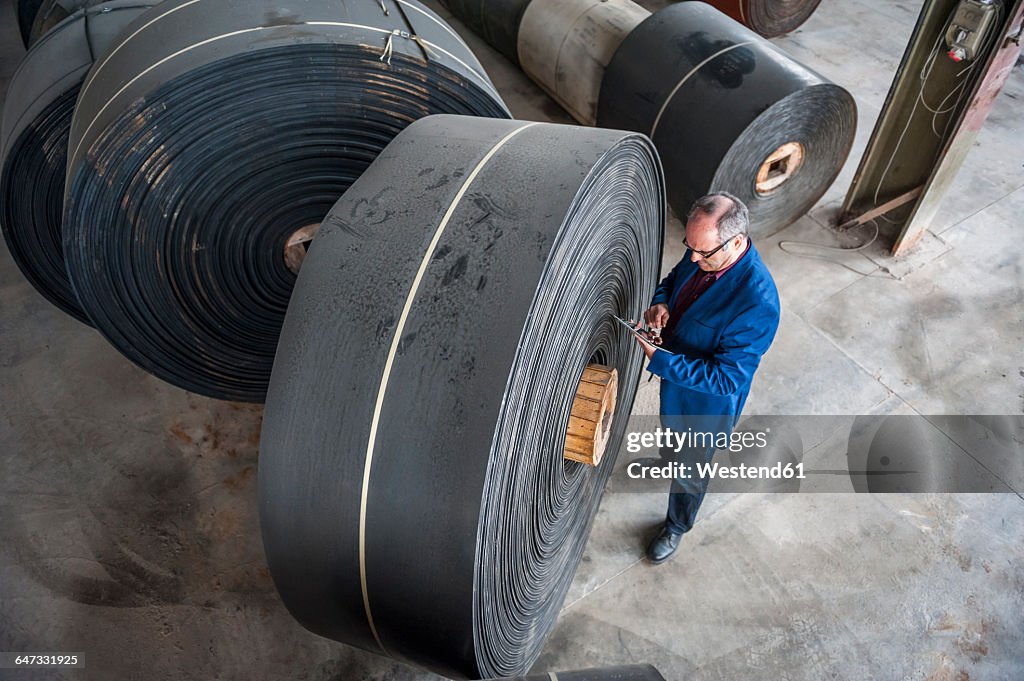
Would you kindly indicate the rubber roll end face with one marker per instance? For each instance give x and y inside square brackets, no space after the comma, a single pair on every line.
[718,101]
[772,18]
[769,18]
[413,493]
[821,122]
[208,138]
[600,263]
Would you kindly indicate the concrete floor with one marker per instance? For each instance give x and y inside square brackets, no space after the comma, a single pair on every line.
[128,527]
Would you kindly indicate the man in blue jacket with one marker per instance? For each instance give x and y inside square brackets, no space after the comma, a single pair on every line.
[718,310]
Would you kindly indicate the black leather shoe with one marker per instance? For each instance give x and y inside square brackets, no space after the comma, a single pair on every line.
[663,546]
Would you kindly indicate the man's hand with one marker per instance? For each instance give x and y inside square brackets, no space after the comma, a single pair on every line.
[656,316]
[647,347]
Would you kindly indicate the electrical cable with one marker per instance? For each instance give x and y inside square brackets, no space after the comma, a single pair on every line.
[212,135]
[37,116]
[841,249]
[926,70]
[421,409]
[925,73]
[987,42]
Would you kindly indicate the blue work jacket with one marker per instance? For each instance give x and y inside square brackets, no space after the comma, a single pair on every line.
[719,340]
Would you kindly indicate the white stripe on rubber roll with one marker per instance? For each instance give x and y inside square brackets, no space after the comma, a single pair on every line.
[687,77]
[389,363]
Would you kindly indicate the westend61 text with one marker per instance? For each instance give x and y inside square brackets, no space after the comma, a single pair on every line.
[779,471]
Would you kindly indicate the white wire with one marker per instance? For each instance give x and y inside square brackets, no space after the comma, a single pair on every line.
[852,249]
[926,71]
[939,109]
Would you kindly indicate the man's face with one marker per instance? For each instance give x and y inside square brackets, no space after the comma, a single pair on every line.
[702,235]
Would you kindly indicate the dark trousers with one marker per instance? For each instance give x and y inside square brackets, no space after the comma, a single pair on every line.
[686,495]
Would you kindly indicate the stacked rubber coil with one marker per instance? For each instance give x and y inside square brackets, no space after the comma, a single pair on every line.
[726,109]
[212,135]
[38,107]
[421,408]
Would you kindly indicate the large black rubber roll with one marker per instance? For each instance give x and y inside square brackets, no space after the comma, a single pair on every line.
[414,499]
[631,673]
[38,107]
[214,133]
[728,111]
[496,21]
[770,18]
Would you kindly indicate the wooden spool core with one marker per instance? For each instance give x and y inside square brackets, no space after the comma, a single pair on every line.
[780,165]
[590,423]
[297,245]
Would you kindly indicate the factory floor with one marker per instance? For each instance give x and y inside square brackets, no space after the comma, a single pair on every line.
[128,526]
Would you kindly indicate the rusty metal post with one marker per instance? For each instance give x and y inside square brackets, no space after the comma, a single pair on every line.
[914,152]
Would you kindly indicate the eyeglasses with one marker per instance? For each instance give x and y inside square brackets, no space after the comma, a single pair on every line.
[706,254]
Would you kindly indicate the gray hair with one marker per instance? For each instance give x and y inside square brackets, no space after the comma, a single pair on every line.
[733,221]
